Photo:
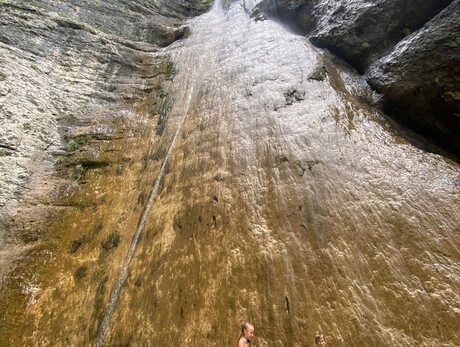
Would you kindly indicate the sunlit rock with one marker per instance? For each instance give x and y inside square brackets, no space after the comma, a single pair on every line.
[236,175]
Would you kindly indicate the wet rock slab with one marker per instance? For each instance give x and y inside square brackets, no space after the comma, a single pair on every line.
[69,69]
[416,42]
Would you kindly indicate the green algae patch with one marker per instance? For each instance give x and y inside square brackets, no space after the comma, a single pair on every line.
[170,71]
[12,304]
[34,273]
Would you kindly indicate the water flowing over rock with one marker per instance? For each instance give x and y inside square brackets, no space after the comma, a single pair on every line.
[68,70]
[418,78]
[234,175]
[71,75]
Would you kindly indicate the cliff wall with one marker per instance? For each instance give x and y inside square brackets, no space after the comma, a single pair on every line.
[162,183]
[71,73]
[408,50]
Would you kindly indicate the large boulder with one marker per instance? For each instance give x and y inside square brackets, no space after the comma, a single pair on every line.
[359,31]
[409,51]
[420,79]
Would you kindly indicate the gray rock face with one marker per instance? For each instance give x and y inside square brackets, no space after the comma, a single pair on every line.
[153,22]
[420,79]
[357,31]
[71,69]
[362,31]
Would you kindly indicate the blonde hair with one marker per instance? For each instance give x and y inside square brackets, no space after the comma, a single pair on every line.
[244,326]
[319,337]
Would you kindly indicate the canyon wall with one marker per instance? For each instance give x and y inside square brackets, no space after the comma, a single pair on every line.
[408,50]
[164,179]
[70,73]
[73,79]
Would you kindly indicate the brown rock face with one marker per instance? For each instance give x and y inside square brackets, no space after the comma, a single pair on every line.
[70,74]
[248,184]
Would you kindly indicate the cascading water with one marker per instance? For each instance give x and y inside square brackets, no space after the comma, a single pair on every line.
[121,279]
[284,188]
[282,200]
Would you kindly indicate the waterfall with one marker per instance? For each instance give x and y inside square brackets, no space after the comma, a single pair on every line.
[283,198]
[306,180]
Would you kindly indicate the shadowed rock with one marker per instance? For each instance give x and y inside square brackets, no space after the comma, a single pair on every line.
[420,79]
[409,49]
[357,31]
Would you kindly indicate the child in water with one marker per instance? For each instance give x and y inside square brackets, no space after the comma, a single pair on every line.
[247,333]
[319,340]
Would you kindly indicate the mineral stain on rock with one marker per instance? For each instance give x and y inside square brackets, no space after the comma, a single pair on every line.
[76,244]
[281,197]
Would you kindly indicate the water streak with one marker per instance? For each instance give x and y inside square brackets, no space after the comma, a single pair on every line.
[291,192]
[189,92]
[121,279]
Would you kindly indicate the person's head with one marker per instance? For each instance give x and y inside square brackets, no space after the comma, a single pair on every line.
[247,331]
[319,340]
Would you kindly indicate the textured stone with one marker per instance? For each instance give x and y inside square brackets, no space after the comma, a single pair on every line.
[243,189]
[358,31]
[70,68]
[420,79]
